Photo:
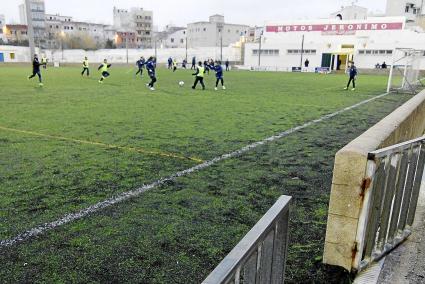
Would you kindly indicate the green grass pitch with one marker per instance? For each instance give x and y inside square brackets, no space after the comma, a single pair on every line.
[75,142]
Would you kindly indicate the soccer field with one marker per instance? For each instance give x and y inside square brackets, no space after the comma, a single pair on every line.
[75,143]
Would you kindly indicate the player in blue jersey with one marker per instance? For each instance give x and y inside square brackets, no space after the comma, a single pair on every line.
[140,65]
[150,67]
[218,74]
[170,63]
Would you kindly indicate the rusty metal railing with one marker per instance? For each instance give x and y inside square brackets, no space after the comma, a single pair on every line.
[392,184]
[261,255]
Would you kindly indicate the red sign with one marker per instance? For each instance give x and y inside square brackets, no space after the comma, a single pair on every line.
[338,28]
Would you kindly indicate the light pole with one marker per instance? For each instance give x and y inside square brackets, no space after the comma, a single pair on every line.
[259,49]
[186,49]
[156,51]
[302,52]
[62,35]
[126,46]
[221,46]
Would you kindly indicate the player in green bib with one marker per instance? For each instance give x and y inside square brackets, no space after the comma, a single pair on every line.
[85,67]
[199,76]
[104,69]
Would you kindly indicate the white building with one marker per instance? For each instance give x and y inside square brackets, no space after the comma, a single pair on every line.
[135,21]
[172,37]
[38,12]
[58,27]
[352,12]
[332,43]
[410,9]
[214,32]
[2,24]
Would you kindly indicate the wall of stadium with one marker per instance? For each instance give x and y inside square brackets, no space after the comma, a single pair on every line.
[21,54]
[367,42]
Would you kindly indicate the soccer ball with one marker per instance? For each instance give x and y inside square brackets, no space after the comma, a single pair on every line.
[181,83]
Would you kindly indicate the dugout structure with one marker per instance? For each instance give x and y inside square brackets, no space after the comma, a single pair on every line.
[405,73]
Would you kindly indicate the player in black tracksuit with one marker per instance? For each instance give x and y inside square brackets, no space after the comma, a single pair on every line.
[36,70]
[353,75]
[140,64]
[150,67]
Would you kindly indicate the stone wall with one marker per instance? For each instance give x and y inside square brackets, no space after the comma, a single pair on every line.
[405,123]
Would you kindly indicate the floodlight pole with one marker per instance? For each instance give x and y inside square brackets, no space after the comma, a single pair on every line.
[62,45]
[186,49]
[126,46]
[30,28]
[302,52]
[259,51]
[156,51]
[221,46]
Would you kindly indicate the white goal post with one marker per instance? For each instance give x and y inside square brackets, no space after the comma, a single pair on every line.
[406,71]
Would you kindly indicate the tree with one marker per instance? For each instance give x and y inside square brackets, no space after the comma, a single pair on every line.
[110,44]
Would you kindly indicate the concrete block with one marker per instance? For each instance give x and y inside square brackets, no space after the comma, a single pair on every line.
[345,200]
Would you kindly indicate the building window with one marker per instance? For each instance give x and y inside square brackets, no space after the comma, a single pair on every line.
[172,40]
[375,52]
[299,51]
[269,52]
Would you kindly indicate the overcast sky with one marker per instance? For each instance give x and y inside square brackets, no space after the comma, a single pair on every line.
[181,12]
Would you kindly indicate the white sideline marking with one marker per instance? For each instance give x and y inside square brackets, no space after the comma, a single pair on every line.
[136,192]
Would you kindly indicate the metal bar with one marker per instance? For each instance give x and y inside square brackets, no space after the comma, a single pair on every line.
[401,181]
[388,201]
[408,191]
[390,79]
[375,213]
[416,187]
[395,148]
[249,244]
[364,215]
[265,271]
[280,249]
[249,270]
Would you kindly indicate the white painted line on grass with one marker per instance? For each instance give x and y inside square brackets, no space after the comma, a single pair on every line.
[134,193]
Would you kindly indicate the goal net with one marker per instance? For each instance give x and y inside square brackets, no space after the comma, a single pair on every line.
[405,73]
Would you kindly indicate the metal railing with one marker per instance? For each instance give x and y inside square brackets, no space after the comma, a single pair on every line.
[261,255]
[391,190]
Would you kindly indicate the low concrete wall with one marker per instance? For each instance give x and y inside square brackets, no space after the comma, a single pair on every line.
[21,54]
[405,123]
